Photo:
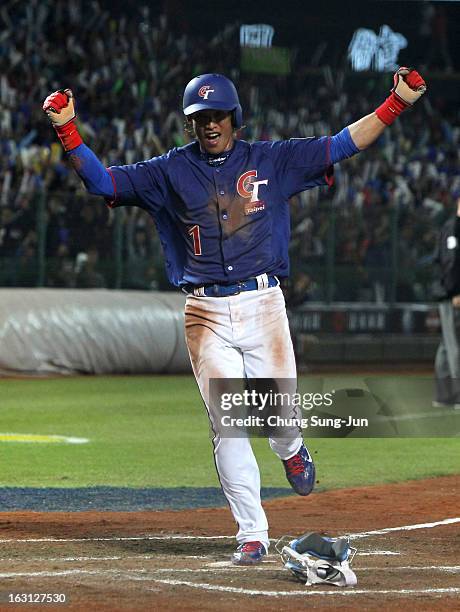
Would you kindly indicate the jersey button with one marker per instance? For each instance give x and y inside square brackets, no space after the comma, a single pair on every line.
[222,192]
[217,169]
[224,216]
[229,268]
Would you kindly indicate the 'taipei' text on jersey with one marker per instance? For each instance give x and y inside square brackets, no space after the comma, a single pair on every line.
[227,223]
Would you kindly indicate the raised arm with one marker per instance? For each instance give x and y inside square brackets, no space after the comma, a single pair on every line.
[142,184]
[366,130]
[408,87]
[59,106]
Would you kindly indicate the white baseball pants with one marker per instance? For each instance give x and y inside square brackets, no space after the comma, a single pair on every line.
[242,336]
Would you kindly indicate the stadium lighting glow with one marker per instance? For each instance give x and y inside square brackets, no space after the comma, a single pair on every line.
[370,51]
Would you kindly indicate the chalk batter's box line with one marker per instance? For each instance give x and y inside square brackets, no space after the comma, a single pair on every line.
[311,593]
[142,577]
[363,534]
[158,555]
[224,566]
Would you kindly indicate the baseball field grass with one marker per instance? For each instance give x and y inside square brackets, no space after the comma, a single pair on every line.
[152,431]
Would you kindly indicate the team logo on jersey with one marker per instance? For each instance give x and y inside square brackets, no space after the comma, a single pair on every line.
[204,91]
[247,187]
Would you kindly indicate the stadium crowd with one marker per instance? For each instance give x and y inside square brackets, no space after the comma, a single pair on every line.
[127,72]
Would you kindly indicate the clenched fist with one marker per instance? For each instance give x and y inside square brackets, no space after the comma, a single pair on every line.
[60,108]
[408,87]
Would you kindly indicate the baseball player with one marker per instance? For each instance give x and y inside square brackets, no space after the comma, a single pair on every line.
[221,208]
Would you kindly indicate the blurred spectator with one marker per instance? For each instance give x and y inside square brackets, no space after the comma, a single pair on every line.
[88,275]
[303,289]
[60,268]
[438,55]
[24,273]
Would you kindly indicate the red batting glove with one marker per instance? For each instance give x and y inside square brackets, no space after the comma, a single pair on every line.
[59,106]
[408,87]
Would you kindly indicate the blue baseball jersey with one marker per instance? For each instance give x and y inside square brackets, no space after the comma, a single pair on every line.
[226,223]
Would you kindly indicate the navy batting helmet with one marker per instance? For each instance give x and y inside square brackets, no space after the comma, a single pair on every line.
[215,92]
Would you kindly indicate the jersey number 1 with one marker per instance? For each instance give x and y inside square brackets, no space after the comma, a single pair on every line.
[195,233]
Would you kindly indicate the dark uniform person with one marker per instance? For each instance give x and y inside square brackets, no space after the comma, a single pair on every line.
[447,362]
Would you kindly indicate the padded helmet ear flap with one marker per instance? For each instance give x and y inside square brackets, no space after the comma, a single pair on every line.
[237,117]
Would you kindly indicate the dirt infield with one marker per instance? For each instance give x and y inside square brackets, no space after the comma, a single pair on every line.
[179,560]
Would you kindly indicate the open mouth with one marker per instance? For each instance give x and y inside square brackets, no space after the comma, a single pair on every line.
[212,137]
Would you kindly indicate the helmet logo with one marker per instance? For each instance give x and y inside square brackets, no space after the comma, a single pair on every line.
[204,91]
